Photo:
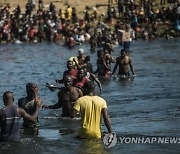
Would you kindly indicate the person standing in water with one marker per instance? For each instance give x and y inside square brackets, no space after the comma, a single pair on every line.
[103,69]
[91,108]
[123,62]
[10,116]
[28,103]
[66,97]
[70,71]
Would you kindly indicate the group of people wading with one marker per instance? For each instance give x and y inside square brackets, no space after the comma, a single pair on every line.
[76,96]
[78,93]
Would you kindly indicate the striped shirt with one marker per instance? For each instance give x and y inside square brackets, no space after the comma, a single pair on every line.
[10,124]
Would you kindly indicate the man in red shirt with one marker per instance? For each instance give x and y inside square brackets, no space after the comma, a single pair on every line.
[81,79]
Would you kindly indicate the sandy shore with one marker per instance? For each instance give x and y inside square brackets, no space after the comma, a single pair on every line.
[78,4]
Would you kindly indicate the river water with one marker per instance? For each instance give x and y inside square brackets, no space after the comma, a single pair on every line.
[148,105]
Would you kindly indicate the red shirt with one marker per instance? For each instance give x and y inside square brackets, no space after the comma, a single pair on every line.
[73,72]
[81,83]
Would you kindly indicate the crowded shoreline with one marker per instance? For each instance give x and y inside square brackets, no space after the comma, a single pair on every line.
[39,23]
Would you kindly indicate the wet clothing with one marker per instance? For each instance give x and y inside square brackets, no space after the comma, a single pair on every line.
[73,73]
[80,84]
[10,124]
[127,46]
[90,108]
[102,70]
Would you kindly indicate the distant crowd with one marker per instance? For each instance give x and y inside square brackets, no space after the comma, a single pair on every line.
[39,23]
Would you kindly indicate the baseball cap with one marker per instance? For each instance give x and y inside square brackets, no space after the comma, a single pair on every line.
[81,51]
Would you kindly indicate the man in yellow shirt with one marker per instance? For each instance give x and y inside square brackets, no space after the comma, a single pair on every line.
[91,108]
[69,13]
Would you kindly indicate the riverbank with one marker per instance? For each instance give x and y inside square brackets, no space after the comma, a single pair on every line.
[78,4]
[52,22]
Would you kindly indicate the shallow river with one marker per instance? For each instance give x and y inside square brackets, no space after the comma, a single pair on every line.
[147,106]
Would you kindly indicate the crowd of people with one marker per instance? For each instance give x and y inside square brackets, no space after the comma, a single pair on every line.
[91,108]
[52,24]
[76,96]
[78,93]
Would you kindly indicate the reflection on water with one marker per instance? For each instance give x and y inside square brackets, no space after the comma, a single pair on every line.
[92,146]
[147,105]
[49,134]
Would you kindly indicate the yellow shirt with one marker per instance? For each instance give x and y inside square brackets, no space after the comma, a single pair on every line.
[90,108]
[69,12]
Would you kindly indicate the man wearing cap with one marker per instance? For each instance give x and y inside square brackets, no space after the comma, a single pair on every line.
[81,58]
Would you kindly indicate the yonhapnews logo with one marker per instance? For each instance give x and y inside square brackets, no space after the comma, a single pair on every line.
[109,139]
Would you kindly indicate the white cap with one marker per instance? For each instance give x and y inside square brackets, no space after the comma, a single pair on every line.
[81,51]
